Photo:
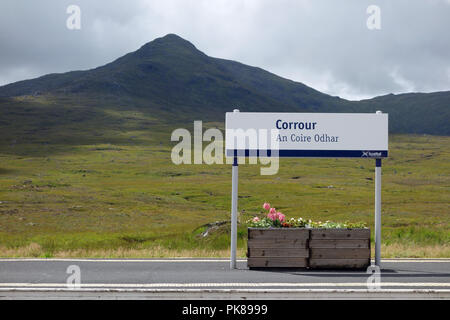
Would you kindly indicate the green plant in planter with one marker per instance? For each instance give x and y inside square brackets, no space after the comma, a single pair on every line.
[260,223]
[276,219]
[298,222]
[336,225]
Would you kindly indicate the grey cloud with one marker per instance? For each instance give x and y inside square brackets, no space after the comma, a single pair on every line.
[324,44]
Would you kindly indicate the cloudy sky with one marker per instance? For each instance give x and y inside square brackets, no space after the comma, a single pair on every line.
[325,44]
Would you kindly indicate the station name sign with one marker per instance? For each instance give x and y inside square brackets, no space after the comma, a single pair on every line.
[321,135]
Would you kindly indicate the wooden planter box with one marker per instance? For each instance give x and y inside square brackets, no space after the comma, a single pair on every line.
[339,248]
[278,248]
[308,248]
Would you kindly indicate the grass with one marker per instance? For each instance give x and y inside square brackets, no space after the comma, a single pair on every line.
[34,250]
[118,194]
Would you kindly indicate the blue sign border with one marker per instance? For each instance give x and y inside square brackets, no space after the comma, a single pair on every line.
[372,154]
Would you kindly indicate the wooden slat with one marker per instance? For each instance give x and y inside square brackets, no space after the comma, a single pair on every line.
[277,262]
[314,248]
[340,234]
[278,233]
[277,243]
[339,263]
[347,253]
[275,252]
[339,243]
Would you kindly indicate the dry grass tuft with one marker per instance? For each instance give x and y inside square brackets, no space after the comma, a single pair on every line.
[415,251]
[34,250]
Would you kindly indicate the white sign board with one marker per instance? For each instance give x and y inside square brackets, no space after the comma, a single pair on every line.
[331,135]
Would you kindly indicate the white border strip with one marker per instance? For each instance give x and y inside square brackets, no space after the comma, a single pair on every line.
[117,260]
[445,260]
[266,291]
[235,294]
[213,285]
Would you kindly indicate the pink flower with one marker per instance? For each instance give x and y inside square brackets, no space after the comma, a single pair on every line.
[266,205]
[273,210]
[281,216]
[255,219]
[272,216]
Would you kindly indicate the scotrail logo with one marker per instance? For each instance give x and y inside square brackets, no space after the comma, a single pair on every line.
[369,154]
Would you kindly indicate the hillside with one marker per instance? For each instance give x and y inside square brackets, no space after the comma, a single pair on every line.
[413,112]
[169,79]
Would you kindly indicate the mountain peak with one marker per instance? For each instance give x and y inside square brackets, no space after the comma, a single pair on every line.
[171,37]
[170,41]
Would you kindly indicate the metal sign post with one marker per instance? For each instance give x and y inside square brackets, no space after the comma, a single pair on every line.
[234,200]
[378,212]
